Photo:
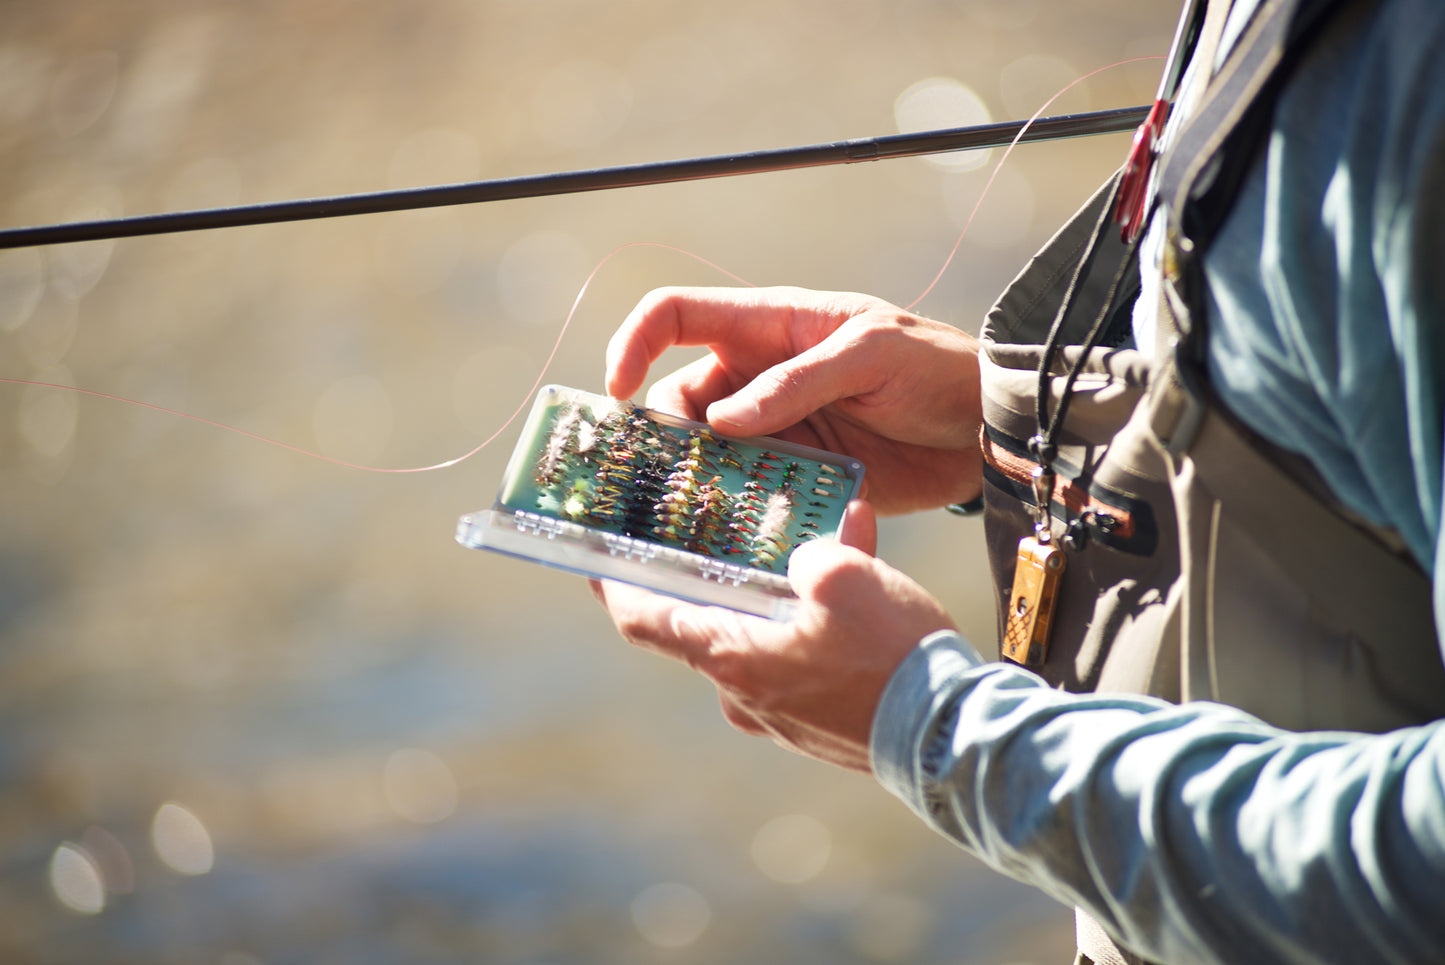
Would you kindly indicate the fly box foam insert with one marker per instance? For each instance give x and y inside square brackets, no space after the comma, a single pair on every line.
[607,489]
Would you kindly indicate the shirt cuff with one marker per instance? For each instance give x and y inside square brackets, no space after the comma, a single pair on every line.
[928,677]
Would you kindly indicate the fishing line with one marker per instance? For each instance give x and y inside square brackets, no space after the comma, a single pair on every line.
[1019,136]
[958,242]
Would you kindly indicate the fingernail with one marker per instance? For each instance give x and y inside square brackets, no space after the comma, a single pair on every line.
[735,410]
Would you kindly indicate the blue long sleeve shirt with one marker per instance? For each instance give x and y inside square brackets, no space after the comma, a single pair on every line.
[1197,833]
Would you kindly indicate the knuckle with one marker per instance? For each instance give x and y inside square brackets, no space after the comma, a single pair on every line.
[740,719]
[731,661]
[661,298]
[779,382]
[730,669]
[631,627]
[873,332]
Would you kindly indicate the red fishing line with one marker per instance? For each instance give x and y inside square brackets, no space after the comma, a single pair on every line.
[999,166]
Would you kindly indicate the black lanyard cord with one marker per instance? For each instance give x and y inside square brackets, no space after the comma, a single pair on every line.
[1044,445]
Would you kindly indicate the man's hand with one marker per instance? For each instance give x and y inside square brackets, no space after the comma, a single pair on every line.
[812,684]
[844,372]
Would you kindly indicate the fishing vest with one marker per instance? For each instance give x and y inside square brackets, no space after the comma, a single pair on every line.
[1202,562]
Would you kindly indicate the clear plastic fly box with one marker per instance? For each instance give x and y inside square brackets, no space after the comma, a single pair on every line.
[607,489]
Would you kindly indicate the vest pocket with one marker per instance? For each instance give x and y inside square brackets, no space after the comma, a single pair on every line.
[1112,511]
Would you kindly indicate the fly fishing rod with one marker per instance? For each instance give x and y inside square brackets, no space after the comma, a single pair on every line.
[982,136]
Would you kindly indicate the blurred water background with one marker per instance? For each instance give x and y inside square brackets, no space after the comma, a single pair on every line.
[259,709]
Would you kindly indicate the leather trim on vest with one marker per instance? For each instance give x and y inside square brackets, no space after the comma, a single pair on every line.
[1008,465]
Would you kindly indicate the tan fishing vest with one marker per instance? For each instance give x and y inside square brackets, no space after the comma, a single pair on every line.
[1200,568]
[1202,562]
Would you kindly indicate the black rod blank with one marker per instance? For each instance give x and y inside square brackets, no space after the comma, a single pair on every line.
[596,179]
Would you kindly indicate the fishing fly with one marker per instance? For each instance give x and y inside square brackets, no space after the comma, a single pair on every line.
[659,501]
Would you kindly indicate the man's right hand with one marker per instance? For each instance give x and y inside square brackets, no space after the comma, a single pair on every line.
[844,372]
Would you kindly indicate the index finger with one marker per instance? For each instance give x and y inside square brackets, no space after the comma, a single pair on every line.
[736,320]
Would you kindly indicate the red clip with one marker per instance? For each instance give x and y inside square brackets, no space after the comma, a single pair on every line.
[1134,183]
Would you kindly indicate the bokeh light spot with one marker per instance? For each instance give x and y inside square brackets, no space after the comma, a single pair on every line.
[75,880]
[212,182]
[83,91]
[792,848]
[22,282]
[25,77]
[181,840]
[48,416]
[46,339]
[580,104]
[1026,84]
[111,859]
[671,915]
[77,268]
[437,155]
[937,103]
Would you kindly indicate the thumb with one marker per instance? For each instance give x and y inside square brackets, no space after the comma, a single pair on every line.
[826,561]
[830,577]
[859,527]
[828,571]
